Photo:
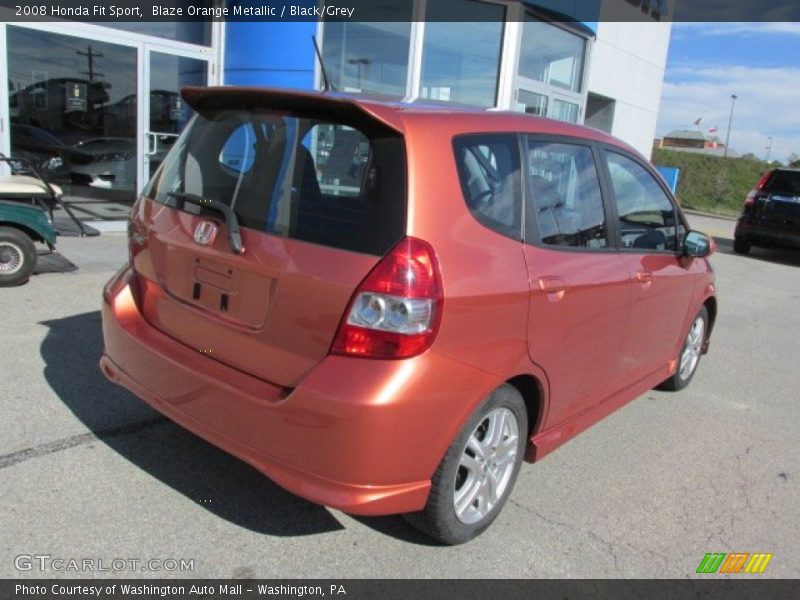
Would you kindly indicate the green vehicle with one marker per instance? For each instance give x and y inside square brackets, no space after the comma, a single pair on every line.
[21,226]
[26,217]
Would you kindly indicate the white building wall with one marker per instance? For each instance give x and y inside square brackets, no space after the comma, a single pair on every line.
[627,64]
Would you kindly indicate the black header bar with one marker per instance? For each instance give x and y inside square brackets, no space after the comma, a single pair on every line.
[588,11]
[710,588]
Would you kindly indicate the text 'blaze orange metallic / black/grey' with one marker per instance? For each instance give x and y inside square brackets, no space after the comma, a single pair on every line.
[385,307]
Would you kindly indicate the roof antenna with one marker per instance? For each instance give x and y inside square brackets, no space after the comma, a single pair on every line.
[328,85]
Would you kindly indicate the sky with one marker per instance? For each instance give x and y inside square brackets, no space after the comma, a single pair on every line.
[758,62]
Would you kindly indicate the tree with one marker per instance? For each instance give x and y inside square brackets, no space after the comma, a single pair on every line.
[793,160]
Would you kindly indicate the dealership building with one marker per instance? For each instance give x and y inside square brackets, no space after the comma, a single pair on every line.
[104,97]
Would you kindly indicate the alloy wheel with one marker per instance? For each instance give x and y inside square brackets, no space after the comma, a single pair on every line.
[693,348]
[486,466]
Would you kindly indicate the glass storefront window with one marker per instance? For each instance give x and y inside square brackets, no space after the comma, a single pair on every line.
[169,114]
[565,111]
[532,103]
[74,107]
[191,32]
[461,61]
[551,55]
[73,110]
[370,58]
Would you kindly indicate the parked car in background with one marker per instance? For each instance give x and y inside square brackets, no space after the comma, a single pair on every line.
[43,150]
[771,213]
[108,163]
[461,291]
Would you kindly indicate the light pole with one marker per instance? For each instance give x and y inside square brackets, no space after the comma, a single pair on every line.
[769,147]
[730,120]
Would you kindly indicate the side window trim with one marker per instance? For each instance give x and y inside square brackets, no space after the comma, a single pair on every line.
[610,207]
[602,151]
[533,238]
[608,196]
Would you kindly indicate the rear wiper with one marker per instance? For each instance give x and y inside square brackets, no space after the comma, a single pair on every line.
[234,236]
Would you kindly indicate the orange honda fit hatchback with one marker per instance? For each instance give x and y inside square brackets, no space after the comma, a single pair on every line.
[385,308]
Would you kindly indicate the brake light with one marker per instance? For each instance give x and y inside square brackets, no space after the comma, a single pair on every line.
[751,197]
[764,180]
[396,310]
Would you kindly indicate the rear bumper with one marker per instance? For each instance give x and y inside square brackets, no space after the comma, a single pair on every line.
[358,435]
[760,233]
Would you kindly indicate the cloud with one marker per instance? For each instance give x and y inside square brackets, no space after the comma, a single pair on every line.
[767,105]
[685,31]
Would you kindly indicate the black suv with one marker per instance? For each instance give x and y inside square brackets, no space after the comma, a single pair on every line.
[771,215]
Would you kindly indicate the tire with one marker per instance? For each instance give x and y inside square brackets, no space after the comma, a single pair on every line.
[17,257]
[741,245]
[689,356]
[479,486]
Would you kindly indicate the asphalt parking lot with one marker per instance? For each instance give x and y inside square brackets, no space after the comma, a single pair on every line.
[88,471]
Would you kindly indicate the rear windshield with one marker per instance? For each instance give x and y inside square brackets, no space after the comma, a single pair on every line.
[784,182]
[297,177]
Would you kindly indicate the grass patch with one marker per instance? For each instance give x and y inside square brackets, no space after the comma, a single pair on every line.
[711,183]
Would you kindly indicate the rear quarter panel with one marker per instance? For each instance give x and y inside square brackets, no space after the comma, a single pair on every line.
[484,273]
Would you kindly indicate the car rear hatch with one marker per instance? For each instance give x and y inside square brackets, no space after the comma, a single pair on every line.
[317,186]
[780,203]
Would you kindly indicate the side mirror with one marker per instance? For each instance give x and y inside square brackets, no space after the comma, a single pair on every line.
[698,245]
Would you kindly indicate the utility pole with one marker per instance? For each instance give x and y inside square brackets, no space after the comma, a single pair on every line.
[730,120]
[769,147]
[90,56]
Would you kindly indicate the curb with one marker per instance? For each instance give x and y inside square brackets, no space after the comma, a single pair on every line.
[698,213]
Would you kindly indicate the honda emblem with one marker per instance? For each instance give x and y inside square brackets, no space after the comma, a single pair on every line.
[205,233]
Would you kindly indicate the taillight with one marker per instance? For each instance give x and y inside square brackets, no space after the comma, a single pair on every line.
[396,310]
[751,197]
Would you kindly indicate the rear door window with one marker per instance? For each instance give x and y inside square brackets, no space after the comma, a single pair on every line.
[647,218]
[298,177]
[489,170]
[564,203]
[784,182]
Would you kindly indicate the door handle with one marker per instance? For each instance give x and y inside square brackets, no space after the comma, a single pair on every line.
[644,277]
[152,143]
[553,287]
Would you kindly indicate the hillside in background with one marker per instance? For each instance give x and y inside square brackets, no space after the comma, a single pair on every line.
[712,183]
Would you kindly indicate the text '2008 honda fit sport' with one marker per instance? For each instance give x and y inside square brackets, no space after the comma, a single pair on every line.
[385,308]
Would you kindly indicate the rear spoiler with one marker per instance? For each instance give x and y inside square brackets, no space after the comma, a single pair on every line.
[328,105]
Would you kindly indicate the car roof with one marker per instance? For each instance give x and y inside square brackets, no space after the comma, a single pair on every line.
[400,116]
